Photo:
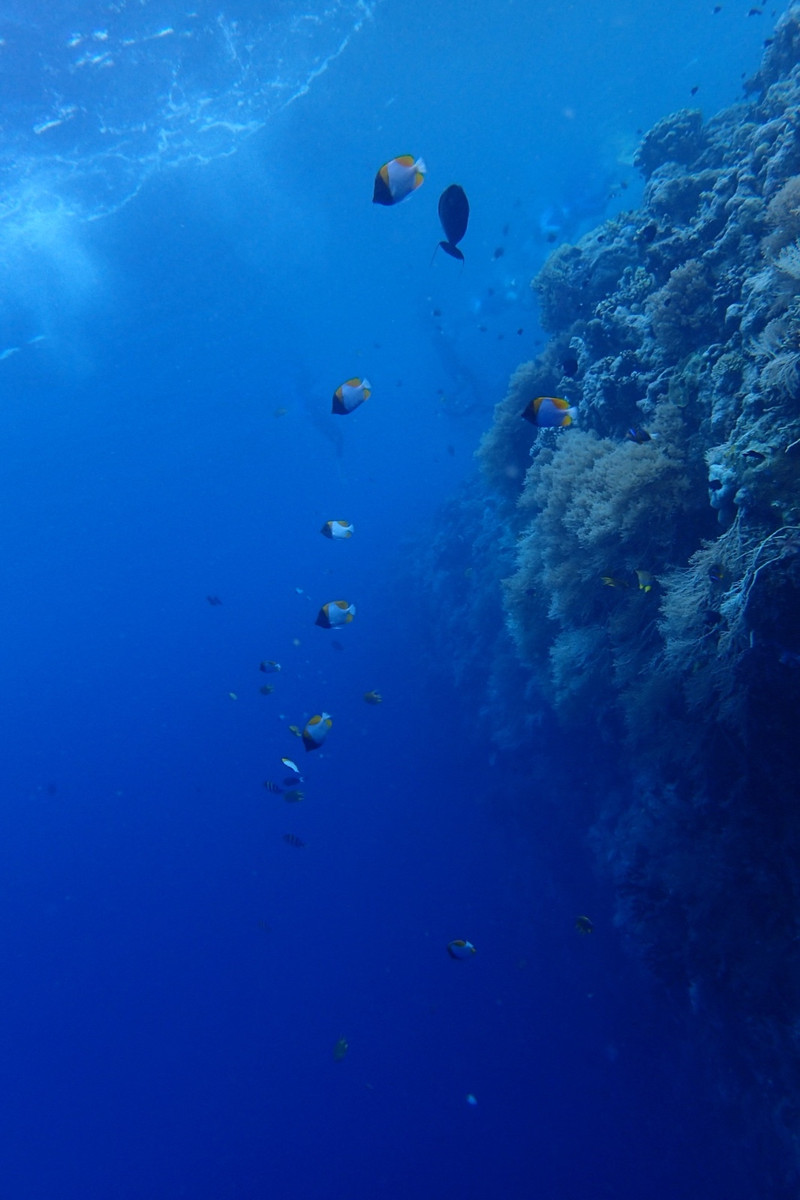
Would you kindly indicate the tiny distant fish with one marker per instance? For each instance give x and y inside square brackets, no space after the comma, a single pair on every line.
[335,612]
[213,601]
[280,412]
[317,730]
[583,925]
[549,411]
[460,949]
[293,796]
[349,395]
[266,689]
[273,787]
[269,667]
[292,766]
[716,573]
[498,252]
[373,697]
[397,179]
[296,730]
[454,216]
[340,1049]
[613,582]
[293,840]
[337,529]
[638,435]
[645,580]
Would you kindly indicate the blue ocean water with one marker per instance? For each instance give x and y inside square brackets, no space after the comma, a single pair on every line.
[191,263]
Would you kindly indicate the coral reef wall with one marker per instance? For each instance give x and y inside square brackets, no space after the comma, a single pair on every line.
[637,576]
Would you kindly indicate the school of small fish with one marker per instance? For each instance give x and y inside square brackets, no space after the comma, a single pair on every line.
[394,182]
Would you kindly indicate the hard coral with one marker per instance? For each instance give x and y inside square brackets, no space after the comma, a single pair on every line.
[677,138]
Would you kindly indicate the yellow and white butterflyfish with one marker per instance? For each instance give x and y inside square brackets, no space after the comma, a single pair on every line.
[459,948]
[316,731]
[337,529]
[398,178]
[349,395]
[549,411]
[335,612]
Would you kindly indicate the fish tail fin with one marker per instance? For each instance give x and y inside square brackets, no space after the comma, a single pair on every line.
[419,166]
[452,250]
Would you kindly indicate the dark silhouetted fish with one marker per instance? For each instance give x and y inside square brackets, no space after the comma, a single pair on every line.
[293,839]
[454,215]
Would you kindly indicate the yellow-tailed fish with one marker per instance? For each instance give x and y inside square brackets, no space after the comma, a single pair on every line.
[349,395]
[646,581]
[549,411]
[337,529]
[397,179]
[460,949]
[335,612]
[316,731]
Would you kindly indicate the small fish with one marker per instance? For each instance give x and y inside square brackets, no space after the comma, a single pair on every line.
[340,1049]
[293,796]
[316,731]
[454,216]
[754,456]
[296,730]
[273,787]
[292,766]
[213,601]
[266,689]
[693,91]
[269,667]
[755,12]
[350,395]
[397,179]
[498,252]
[645,580]
[612,581]
[293,840]
[716,573]
[280,412]
[460,949]
[337,529]
[583,925]
[335,612]
[373,697]
[549,411]
[638,435]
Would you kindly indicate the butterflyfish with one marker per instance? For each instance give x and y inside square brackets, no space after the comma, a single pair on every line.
[373,697]
[349,395]
[336,612]
[397,179]
[337,529]
[460,949]
[269,666]
[549,411]
[454,215]
[316,731]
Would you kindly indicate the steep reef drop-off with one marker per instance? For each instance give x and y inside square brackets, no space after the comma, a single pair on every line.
[631,585]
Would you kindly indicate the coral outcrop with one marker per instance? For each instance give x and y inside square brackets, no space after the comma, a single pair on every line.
[650,558]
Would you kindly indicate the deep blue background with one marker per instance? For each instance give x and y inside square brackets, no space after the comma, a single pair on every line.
[174,975]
